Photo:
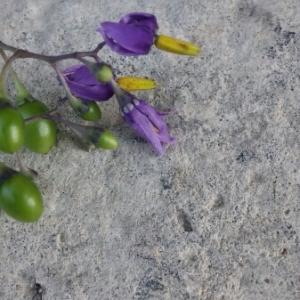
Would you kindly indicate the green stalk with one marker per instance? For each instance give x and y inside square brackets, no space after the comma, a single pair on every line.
[3,95]
[73,100]
[22,93]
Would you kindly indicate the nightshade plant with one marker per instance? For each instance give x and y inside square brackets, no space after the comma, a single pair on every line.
[32,124]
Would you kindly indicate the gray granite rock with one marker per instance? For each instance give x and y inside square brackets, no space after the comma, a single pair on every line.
[217,216]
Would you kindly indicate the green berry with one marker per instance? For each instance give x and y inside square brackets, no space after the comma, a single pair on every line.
[40,135]
[19,196]
[11,129]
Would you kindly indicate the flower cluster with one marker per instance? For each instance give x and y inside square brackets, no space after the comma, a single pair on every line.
[133,35]
[30,123]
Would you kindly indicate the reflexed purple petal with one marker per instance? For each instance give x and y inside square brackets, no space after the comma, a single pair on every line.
[101,92]
[156,120]
[84,76]
[147,123]
[135,38]
[83,84]
[144,119]
[113,46]
[144,128]
[143,19]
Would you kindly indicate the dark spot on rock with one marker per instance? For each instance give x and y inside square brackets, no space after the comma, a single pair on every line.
[219,202]
[166,184]
[271,52]
[154,285]
[184,221]
[287,212]
[278,29]
[287,37]
[267,280]
[284,252]
[38,292]
[244,157]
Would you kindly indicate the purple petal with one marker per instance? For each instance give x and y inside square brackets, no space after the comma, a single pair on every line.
[147,123]
[155,117]
[84,76]
[142,19]
[114,46]
[83,84]
[134,38]
[144,128]
[101,92]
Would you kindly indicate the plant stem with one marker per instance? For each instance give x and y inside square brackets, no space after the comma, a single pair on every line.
[43,115]
[24,169]
[3,75]
[60,120]
[63,81]
[53,59]
[22,93]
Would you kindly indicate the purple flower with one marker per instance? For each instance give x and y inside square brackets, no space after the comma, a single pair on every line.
[84,85]
[133,35]
[144,119]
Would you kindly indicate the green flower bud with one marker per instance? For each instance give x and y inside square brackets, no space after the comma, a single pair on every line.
[93,113]
[91,137]
[102,72]
[96,137]
[107,141]
[87,110]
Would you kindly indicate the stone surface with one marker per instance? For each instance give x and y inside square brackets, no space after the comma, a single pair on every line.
[216,217]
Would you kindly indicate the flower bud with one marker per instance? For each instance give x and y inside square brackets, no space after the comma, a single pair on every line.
[104,74]
[87,110]
[176,46]
[107,141]
[132,36]
[101,71]
[92,137]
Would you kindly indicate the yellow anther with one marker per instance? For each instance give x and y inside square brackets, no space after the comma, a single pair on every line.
[136,83]
[170,44]
[155,129]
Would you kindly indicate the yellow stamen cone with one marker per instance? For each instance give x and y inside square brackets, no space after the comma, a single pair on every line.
[136,83]
[170,44]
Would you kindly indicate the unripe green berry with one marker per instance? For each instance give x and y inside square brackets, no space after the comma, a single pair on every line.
[19,196]
[40,135]
[12,129]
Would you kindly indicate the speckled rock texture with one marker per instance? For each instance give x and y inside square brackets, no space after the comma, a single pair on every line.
[217,216]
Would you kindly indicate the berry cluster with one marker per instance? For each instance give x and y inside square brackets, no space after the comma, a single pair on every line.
[32,124]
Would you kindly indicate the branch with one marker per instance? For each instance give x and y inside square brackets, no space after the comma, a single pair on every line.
[52,59]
